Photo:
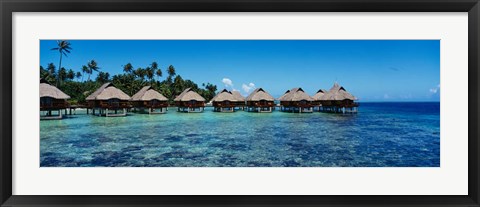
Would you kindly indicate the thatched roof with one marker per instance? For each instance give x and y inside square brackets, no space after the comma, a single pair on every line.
[224,95]
[295,94]
[147,93]
[260,94]
[189,95]
[47,90]
[107,91]
[238,96]
[338,93]
[320,95]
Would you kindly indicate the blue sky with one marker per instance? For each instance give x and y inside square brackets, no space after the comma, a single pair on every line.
[372,70]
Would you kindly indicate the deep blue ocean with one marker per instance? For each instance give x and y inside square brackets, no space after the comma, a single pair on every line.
[380,135]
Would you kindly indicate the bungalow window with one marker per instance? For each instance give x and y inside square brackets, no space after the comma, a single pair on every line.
[154,102]
[46,101]
[114,102]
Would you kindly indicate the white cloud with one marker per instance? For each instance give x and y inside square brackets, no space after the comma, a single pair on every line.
[386,96]
[248,87]
[408,96]
[435,90]
[227,82]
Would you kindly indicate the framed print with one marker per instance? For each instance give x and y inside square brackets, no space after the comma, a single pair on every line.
[195,103]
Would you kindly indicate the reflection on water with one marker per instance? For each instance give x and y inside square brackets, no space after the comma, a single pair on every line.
[381,134]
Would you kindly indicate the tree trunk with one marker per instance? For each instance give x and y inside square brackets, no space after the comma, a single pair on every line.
[59,67]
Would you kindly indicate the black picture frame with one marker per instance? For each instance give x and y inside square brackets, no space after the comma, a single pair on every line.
[7,7]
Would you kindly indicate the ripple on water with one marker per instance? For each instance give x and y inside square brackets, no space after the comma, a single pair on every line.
[388,134]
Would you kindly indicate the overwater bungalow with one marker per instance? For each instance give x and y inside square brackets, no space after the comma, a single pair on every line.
[190,101]
[148,98]
[240,103]
[224,101]
[52,99]
[318,98]
[338,100]
[296,100]
[108,101]
[260,101]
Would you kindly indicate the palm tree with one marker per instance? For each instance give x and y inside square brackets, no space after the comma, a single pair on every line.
[155,70]
[43,72]
[70,74]
[63,48]
[159,73]
[84,70]
[154,65]
[92,66]
[178,85]
[171,70]
[51,69]
[103,77]
[140,73]
[127,68]
[62,75]
[78,75]
[149,72]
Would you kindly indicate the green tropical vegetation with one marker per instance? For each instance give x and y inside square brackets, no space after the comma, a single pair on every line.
[78,87]
[63,47]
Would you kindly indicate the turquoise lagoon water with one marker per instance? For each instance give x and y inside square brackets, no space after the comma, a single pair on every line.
[380,135]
